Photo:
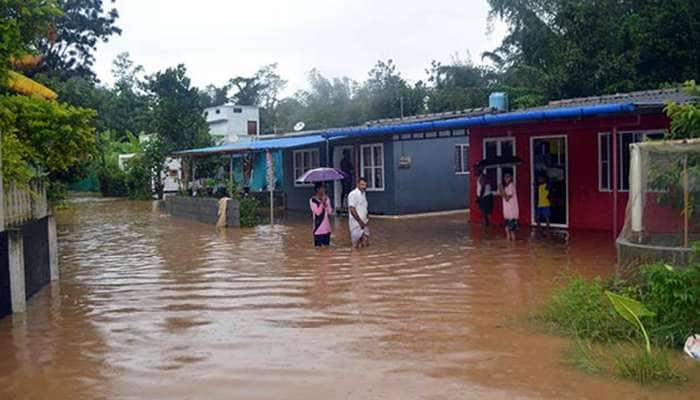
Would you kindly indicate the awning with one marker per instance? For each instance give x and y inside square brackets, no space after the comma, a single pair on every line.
[258,145]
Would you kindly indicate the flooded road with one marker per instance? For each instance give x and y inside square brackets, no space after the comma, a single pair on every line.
[151,307]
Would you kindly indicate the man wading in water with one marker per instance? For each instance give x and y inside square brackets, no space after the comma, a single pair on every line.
[358,217]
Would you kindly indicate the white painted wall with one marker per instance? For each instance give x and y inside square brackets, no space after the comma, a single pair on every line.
[229,123]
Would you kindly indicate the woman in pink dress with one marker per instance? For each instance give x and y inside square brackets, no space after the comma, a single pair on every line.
[511,212]
[321,211]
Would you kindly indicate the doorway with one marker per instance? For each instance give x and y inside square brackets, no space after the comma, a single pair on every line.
[549,159]
[341,153]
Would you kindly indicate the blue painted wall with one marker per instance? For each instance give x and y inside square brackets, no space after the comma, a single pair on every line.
[430,184]
[298,197]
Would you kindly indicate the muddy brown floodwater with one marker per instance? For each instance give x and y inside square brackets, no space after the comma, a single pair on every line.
[151,307]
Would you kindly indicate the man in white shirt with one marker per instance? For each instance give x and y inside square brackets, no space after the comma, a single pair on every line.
[358,217]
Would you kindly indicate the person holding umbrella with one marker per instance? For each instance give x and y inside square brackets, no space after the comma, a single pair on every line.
[321,210]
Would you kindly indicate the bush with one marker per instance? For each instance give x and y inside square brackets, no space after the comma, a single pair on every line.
[112,181]
[138,179]
[250,211]
[674,295]
[580,309]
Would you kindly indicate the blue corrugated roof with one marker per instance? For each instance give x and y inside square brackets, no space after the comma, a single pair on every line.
[425,126]
[258,145]
[482,120]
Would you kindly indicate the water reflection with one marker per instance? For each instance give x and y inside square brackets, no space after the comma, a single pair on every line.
[153,307]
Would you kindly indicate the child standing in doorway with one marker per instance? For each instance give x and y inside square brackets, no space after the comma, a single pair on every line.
[511,212]
[543,211]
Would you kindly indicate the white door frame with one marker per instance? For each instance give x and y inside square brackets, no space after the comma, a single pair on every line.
[533,203]
[338,185]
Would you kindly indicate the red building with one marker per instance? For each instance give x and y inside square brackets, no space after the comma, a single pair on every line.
[586,157]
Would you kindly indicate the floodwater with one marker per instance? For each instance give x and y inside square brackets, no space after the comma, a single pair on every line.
[151,307]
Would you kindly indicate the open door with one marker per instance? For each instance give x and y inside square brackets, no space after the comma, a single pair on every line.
[344,160]
[549,159]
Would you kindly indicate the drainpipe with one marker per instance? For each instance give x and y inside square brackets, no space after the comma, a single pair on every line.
[615,178]
[328,153]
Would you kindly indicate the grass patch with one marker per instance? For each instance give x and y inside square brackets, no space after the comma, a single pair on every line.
[629,362]
[579,309]
[647,368]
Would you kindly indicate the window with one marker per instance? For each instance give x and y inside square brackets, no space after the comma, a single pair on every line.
[304,160]
[372,165]
[604,160]
[623,155]
[496,148]
[237,110]
[461,159]
[218,111]
[252,128]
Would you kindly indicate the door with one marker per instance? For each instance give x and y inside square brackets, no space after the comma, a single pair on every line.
[344,160]
[252,128]
[549,163]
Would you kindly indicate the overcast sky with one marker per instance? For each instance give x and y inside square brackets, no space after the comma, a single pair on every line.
[221,39]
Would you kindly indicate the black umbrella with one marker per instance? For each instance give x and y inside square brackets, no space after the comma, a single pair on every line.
[500,161]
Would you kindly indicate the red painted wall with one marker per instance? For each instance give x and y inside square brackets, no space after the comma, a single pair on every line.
[589,208]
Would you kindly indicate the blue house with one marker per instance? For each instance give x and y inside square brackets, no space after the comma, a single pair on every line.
[409,170]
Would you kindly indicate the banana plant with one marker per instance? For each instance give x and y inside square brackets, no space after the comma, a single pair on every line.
[632,311]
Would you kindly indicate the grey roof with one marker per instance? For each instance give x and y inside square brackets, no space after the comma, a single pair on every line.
[469,112]
[641,98]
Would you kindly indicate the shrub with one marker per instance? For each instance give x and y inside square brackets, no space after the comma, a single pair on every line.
[138,179]
[674,295]
[112,181]
[250,211]
[580,309]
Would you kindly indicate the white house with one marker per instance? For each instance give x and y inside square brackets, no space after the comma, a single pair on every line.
[232,123]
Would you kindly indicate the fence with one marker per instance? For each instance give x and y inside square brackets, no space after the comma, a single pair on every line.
[23,204]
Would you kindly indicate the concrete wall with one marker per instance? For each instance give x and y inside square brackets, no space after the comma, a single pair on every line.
[202,209]
[28,262]
[430,183]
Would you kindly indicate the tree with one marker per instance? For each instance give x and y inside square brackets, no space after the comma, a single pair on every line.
[69,48]
[128,109]
[572,48]
[177,113]
[213,95]
[177,118]
[22,23]
[386,94]
[458,85]
[42,137]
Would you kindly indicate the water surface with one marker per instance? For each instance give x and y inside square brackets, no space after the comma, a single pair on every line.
[151,307]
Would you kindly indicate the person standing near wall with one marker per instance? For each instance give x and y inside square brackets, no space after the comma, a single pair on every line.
[511,212]
[358,217]
[484,198]
[348,169]
[321,210]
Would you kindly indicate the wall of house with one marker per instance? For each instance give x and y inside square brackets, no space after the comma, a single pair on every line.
[298,196]
[225,124]
[589,208]
[5,298]
[430,184]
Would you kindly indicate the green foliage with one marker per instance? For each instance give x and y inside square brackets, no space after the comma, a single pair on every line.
[646,367]
[177,113]
[46,136]
[674,295]
[22,22]
[250,211]
[632,311]
[685,118]
[78,30]
[571,48]
[138,178]
[112,181]
[580,309]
